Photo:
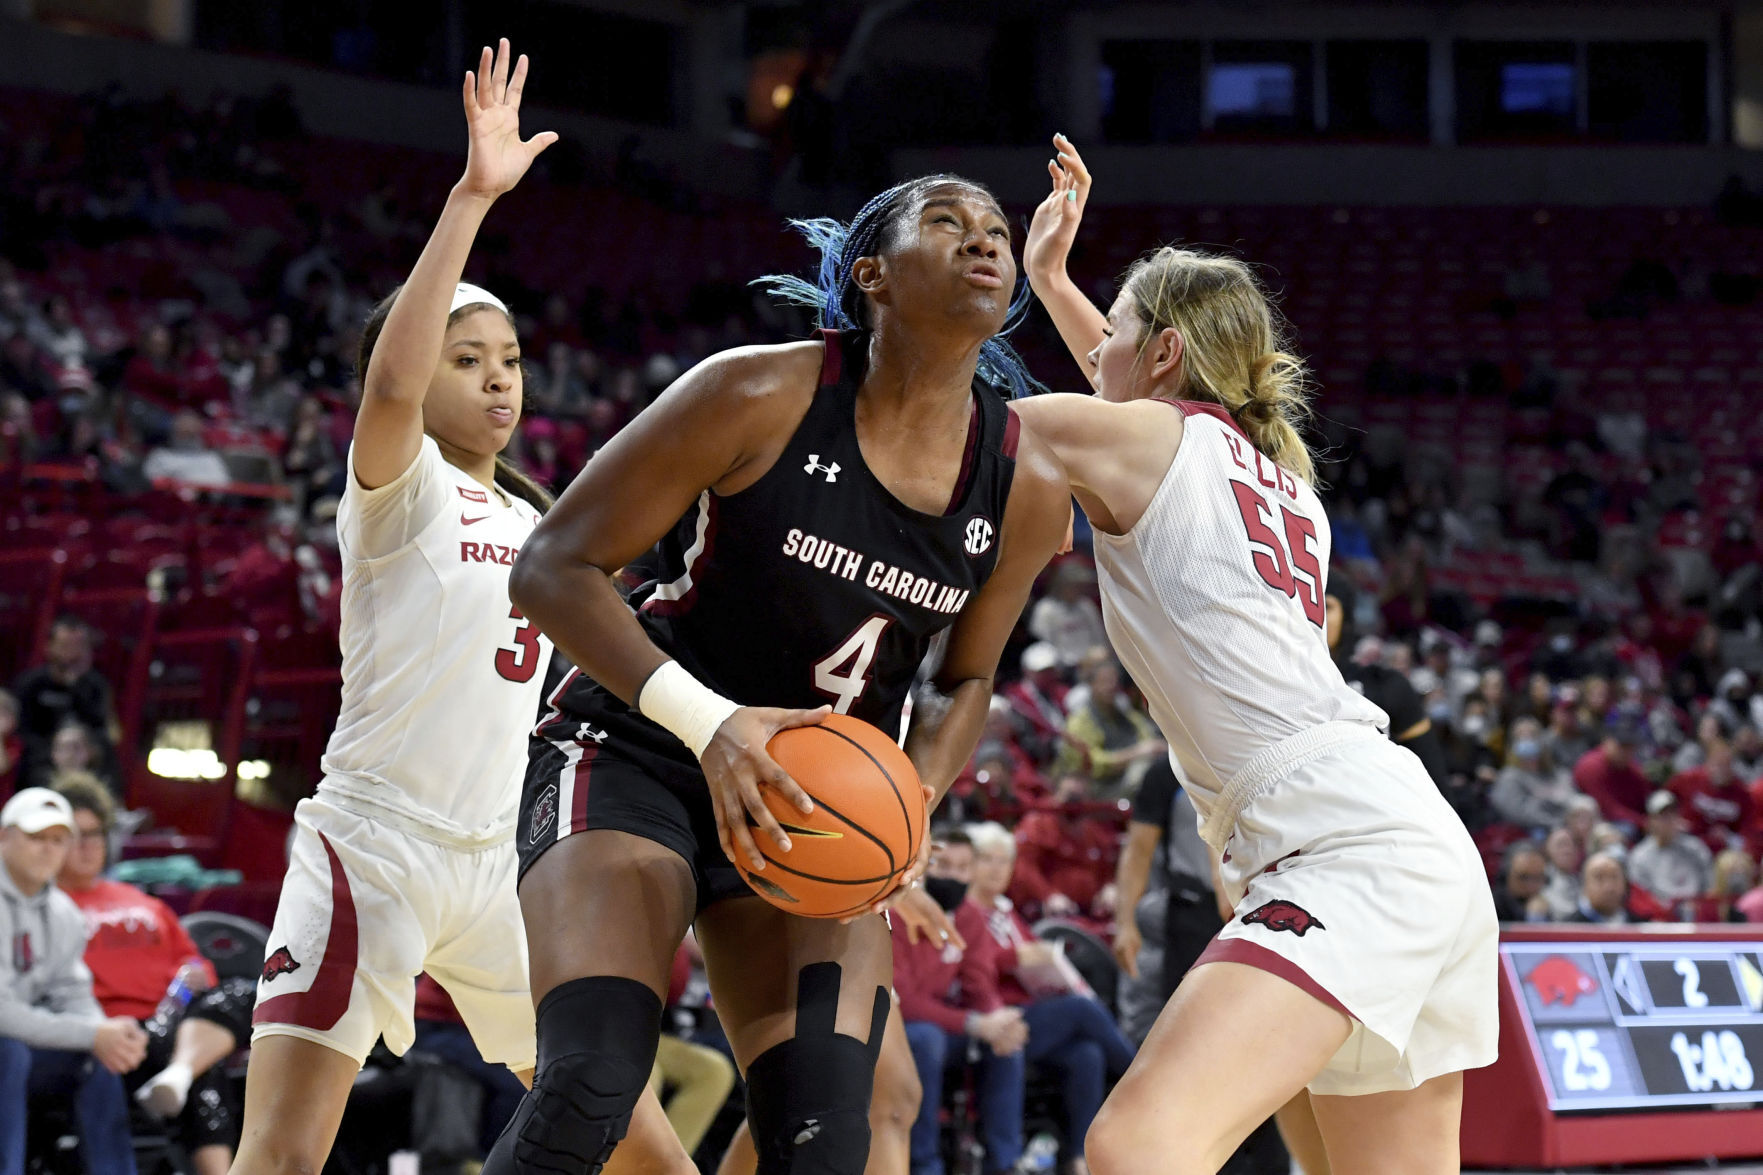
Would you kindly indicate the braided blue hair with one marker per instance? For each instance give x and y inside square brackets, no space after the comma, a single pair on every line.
[839,305]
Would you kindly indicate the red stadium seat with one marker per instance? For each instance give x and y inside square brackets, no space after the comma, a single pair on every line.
[30,589]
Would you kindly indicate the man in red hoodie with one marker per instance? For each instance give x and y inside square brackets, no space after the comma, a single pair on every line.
[135,947]
[1713,800]
[943,1015]
[1608,774]
[1065,856]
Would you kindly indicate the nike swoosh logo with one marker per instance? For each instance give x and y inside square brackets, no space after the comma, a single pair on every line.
[464,521]
[811,833]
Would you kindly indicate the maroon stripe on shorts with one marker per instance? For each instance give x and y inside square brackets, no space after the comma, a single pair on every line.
[578,795]
[323,1004]
[1251,954]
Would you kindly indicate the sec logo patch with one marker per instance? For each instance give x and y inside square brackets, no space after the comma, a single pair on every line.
[979,536]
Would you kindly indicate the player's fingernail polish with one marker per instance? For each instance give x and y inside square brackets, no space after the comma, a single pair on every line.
[1072,195]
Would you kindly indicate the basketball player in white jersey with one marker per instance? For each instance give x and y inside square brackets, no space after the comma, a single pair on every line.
[1360,960]
[404,861]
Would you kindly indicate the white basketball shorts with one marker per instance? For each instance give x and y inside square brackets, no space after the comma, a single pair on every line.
[1352,877]
[364,909]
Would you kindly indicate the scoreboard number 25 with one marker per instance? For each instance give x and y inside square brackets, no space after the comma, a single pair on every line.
[1583,1066]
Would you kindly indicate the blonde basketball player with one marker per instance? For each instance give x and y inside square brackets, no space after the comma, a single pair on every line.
[404,861]
[1360,957]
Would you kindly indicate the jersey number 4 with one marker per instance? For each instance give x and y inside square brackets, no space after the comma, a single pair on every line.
[843,674]
[1289,566]
[522,661]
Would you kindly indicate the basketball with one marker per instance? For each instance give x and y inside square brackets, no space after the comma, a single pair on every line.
[866,827]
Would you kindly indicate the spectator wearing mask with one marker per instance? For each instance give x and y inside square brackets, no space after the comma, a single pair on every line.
[1604,891]
[1391,691]
[1667,863]
[1530,789]
[1732,702]
[1470,764]
[1565,858]
[186,458]
[1067,617]
[1038,700]
[64,687]
[55,1040]
[136,949]
[1608,774]
[939,1025]
[1064,858]
[1067,1029]
[1117,739]
[1715,802]
[1518,895]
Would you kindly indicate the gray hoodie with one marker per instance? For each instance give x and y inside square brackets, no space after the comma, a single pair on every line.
[46,996]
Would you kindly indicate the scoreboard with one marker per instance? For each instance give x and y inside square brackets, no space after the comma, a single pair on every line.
[1626,1025]
[1619,1044]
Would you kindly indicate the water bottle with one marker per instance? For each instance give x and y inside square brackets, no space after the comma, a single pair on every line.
[1041,1154]
[177,997]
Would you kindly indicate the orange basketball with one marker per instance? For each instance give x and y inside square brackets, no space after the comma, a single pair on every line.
[865,830]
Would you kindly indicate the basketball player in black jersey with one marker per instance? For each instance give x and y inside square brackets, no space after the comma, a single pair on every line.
[823,509]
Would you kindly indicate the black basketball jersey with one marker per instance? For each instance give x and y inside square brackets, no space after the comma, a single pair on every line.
[815,585]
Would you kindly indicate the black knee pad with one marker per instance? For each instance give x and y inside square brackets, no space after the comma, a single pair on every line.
[597,1040]
[808,1098]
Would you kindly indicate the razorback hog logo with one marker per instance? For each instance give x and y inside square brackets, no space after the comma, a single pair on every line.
[1558,981]
[1284,915]
[280,962]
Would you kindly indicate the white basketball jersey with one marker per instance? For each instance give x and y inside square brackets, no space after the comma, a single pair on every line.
[441,674]
[1214,603]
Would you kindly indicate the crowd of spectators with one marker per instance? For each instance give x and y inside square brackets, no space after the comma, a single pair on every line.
[1607,755]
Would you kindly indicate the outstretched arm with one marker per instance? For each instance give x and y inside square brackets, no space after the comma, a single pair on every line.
[388,428]
[1044,254]
[1116,454]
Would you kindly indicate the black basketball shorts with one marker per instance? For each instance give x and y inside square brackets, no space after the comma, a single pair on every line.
[602,765]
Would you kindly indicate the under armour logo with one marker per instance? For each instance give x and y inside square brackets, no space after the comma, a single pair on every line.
[810,1128]
[585,733]
[979,536]
[814,466]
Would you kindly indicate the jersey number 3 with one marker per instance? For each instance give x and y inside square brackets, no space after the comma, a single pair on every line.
[1297,574]
[522,661]
[843,674]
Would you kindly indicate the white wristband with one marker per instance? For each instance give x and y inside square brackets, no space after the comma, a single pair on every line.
[691,710]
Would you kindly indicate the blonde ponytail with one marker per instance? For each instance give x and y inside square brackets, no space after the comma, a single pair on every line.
[1233,346]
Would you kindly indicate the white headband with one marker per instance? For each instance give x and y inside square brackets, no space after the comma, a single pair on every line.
[466,294]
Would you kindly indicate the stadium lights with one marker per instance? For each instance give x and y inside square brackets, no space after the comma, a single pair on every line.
[201,763]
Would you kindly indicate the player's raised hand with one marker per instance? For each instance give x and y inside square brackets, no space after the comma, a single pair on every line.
[497,157]
[736,765]
[1054,227]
